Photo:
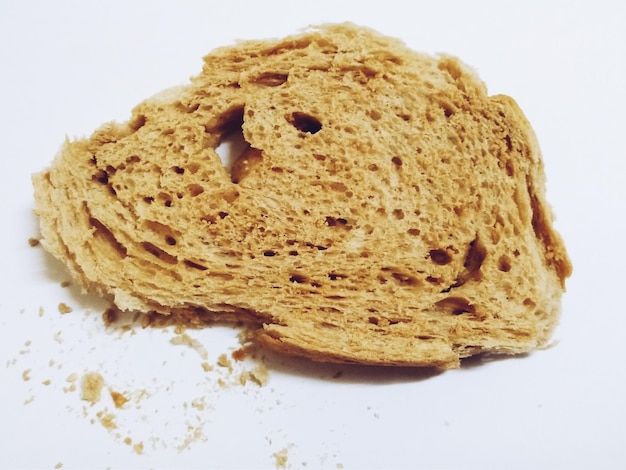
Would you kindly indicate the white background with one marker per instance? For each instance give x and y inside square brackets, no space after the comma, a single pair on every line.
[66,67]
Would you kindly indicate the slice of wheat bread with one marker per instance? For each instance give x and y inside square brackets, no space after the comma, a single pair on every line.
[386,210]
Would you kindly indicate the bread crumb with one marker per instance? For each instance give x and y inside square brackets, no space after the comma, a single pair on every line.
[58,465]
[66,284]
[71,379]
[41,311]
[206,366]
[185,339]
[25,375]
[128,441]
[243,377]
[142,394]
[194,434]
[64,308]
[260,375]
[138,448]
[57,337]
[118,399]
[107,420]
[25,351]
[29,400]
[33,241]
[224,361]
[239,354]
[198,403]
[281,458]
[91,387]
[47,382]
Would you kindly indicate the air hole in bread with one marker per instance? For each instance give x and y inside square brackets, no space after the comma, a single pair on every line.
[404,279]
[297,278]
[105,236]
[195,265]
[400,277]
[509,143]
[456,305]
[475,256]
[162,230]
[397,161]
[101,177]
[375,114]
[195,189]
[238,156]
[159,253]
[187,108]
[448,110]
[398,214]
[338,222]
[270,79]
[440,257]
[510,169]
[305,122]
[232,143]
[137,122]
[504,264]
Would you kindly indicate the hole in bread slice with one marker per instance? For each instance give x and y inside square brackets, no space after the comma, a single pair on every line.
[232,143]
[236,153]
[305,122]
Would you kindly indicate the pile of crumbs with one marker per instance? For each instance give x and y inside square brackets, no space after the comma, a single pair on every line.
[110,404]
[124,408]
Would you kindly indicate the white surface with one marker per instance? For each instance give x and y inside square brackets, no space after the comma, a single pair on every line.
[66,67]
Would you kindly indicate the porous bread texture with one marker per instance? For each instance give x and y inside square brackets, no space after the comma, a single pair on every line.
[386,210]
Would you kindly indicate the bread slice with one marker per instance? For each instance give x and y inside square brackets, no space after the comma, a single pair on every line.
[385,210]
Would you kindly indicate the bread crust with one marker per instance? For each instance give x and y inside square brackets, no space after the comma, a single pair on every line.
[386,209]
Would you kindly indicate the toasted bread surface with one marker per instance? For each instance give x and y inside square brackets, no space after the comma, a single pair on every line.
[385,209]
